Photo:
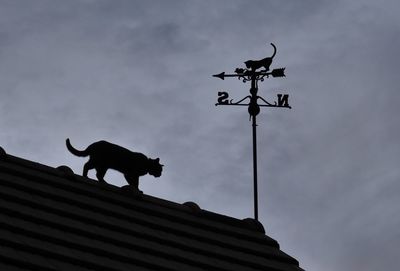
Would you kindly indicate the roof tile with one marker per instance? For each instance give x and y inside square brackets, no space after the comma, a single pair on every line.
[53,219]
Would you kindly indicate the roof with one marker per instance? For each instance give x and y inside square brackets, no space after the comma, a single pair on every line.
[53,219]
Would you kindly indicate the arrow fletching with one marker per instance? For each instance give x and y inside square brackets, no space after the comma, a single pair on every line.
[278,72]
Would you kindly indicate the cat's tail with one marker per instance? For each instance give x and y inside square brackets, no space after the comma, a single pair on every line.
[75,151]
[274,50]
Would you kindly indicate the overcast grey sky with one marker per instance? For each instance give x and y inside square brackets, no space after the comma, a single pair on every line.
[138,73]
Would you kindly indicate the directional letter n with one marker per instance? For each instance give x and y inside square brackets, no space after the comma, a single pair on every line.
[283,100]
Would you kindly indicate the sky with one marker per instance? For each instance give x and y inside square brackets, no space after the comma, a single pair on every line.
[139,74]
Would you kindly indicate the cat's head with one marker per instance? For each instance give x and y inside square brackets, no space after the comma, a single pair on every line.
[249,64]
[155,168]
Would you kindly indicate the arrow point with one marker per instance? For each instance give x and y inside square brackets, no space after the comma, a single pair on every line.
[220,75]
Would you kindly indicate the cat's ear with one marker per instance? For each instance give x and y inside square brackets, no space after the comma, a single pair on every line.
[158,161]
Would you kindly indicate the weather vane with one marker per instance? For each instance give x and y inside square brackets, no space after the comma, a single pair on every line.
[254,73]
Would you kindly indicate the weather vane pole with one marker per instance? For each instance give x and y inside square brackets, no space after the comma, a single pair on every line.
[254,73]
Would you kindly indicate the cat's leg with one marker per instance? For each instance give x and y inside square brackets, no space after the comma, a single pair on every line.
[133,181]
[88,166]
[100,172]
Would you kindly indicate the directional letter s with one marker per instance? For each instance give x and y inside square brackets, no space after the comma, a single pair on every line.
[223,97]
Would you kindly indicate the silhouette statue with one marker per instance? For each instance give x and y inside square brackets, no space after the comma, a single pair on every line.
[256,64]
[104,155]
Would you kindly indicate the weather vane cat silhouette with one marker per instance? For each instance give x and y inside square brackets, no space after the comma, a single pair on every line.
[104,155]
[265,62]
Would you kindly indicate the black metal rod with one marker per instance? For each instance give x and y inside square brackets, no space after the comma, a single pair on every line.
[275,73]
[254,113]
[255,167]
[262,105]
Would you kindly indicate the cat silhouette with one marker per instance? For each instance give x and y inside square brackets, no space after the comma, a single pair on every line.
[265,62]
[104,155]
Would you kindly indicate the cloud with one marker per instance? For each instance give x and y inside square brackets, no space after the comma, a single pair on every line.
[139,74]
